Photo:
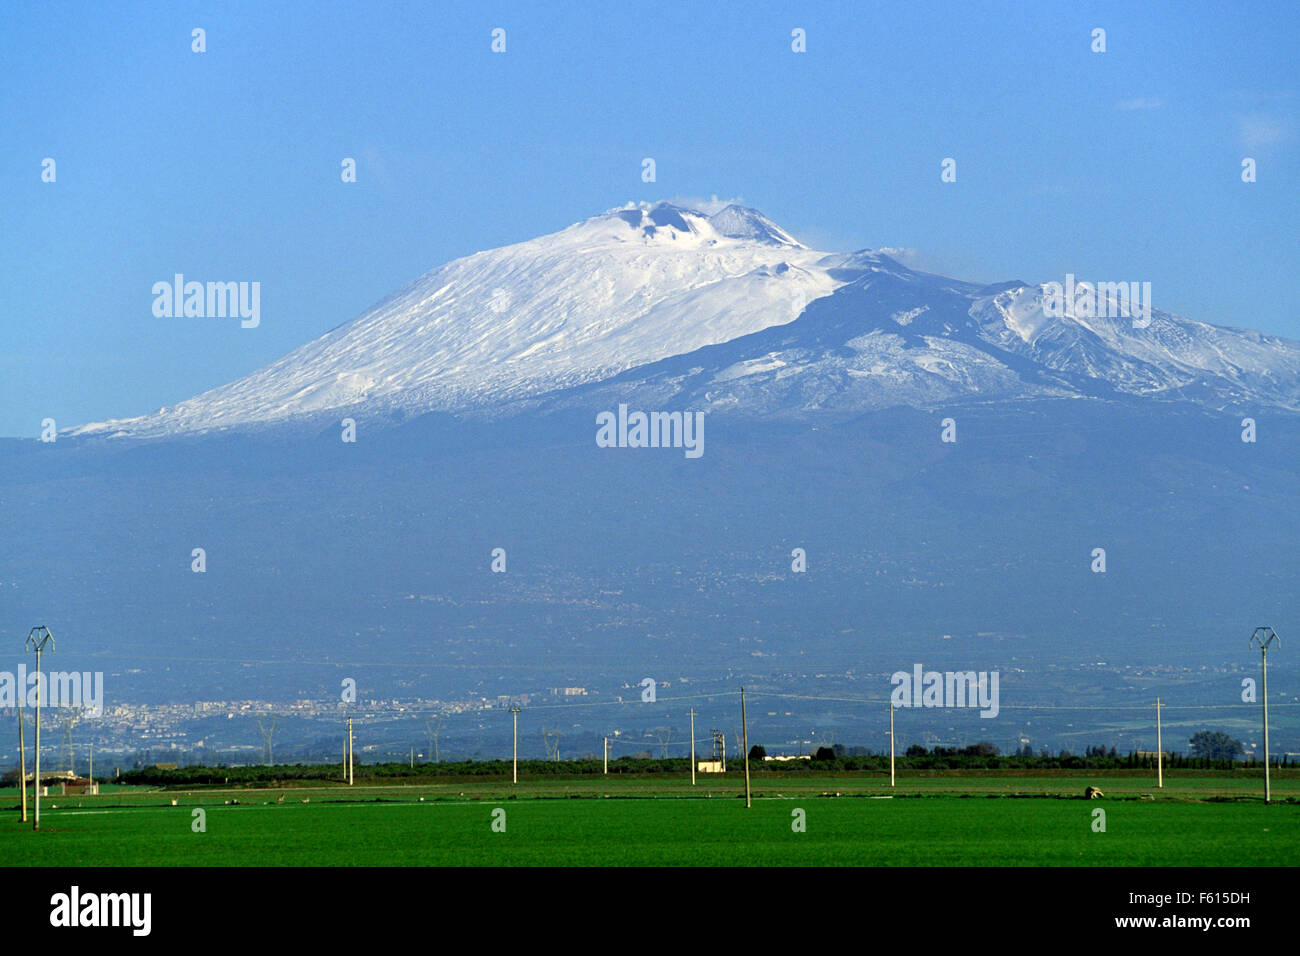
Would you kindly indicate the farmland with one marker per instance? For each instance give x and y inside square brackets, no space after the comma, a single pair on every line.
[989,819]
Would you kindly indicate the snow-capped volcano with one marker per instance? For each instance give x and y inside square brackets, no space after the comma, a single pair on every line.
[625,288]
[725,309]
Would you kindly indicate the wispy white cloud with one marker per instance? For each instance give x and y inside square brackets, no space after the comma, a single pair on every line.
[707,206]
[917,259]
[1260,129]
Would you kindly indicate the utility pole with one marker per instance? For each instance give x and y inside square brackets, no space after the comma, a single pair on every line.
[891,743]
[606,754]
[745,744]
[350,777]
[514,713]
[1263,636]
[22,756]
[36,640]
[692,746]
[412,758]
[1160,751]
[91,778]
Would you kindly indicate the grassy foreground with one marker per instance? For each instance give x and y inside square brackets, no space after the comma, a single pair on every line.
[925,822]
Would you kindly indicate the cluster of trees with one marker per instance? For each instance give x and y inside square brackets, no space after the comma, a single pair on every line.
[1209,750]
[260,774]
[1216,745]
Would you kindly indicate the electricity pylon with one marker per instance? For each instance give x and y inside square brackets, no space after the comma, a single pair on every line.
[719,748]
[267,732]
[433,732]
[665,735]
[551,740]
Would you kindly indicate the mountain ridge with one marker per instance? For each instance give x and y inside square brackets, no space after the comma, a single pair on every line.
[644,285]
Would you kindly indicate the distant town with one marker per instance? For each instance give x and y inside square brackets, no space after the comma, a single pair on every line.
[791,714]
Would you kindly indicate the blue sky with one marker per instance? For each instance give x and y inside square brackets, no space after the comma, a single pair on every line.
[1123,165]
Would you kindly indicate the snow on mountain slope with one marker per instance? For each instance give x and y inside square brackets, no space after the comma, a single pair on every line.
[892,337]
[1172,357]
[725,311]
[622,289]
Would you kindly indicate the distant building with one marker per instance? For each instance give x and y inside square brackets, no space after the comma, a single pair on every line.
[11,776]
[784,757]
[710,766]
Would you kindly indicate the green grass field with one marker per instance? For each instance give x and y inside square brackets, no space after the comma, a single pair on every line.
[967,820]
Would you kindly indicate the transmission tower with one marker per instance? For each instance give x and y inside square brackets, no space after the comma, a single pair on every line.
[665,735]
[267,732]
[551,739]
[433,730]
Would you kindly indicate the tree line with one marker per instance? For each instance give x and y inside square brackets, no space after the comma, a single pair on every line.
[1210,751]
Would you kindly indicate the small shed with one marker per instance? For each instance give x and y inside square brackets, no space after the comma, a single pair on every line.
[79,786]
